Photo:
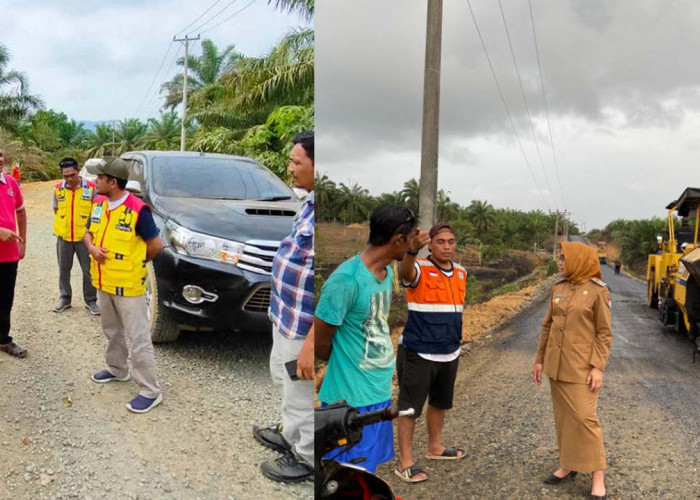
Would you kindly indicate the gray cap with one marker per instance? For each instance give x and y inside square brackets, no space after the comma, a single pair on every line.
[116,167]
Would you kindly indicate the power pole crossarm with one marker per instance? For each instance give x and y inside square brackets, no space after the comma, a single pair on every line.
[183,131]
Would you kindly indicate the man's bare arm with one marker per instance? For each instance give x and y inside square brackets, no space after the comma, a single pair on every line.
[153,247]
[323,340]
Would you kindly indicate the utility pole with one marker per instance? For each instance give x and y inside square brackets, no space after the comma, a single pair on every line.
[186,41]
[431,116]
[556,230]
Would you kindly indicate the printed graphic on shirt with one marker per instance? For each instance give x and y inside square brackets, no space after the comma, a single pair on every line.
[378,352]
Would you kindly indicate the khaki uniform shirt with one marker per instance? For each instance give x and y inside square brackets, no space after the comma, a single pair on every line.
[575,333]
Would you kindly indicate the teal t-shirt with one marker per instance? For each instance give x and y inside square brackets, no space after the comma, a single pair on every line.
[362,359]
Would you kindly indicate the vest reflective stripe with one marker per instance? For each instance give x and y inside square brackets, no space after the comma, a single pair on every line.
[124,271]
[435,306]
[446,308]
[72,211]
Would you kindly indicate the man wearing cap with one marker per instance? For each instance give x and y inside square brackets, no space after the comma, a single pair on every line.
[72,204]
[429,348]
[121,238]
[13,238]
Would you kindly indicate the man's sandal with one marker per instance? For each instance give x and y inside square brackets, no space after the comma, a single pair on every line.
[408,475]
[449,454]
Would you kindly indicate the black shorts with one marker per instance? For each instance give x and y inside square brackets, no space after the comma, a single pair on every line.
[419,378]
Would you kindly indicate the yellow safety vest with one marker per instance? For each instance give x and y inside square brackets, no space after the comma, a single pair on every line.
[124,271]
[73,210]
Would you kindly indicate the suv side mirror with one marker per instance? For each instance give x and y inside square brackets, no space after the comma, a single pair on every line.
[134,187]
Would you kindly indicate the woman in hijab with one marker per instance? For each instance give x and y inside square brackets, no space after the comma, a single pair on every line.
[573,350]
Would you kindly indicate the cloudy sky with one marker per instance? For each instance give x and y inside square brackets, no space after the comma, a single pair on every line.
[622,85]
[96,60]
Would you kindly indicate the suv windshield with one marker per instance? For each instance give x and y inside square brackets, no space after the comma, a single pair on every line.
[216,178]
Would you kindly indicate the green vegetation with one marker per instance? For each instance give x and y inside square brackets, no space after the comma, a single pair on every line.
[249,106]
[493,230]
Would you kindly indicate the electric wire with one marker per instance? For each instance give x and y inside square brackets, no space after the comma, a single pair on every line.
[149,107]
[150,87]
[230,17]
[527,108]
[198,28]
[200,17]
[505,105]
[546,105]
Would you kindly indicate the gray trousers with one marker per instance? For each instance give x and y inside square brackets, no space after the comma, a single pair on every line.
[297,398]
[128,316]
[64,251]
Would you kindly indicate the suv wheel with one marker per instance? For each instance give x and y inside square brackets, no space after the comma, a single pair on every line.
[163,328]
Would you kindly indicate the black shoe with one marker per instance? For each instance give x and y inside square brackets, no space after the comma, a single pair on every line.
[286,469]
[597,497]
[552,479]
[272,438]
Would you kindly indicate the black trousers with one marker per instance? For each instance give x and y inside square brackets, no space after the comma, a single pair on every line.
[8,278]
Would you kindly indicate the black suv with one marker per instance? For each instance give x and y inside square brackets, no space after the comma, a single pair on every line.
[221,218]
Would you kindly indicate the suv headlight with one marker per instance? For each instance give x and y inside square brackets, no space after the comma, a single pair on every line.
[187,242]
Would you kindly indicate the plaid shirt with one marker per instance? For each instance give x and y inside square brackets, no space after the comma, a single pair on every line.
[292,297]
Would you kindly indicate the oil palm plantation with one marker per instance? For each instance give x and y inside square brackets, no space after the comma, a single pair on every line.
[163,133]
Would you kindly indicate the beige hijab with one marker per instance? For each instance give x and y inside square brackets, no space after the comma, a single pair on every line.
[581,263]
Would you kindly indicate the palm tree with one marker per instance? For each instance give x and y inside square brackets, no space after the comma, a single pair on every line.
[130,134]
[482,216]
[411,194]
[164,133]
[204,72]
[352,202]
[101,141]
[446,209]
[304,8]
[15,100]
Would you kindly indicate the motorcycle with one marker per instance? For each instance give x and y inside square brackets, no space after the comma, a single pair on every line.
[338,426]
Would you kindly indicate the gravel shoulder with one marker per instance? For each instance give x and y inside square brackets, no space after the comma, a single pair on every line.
[648,410]
[63,436]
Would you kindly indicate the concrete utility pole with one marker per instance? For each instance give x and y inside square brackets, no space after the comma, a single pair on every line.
[183,132]
[556,230]
[431,116]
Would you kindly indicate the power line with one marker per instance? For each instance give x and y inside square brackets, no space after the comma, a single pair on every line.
[546,105]
[505,105]
[148,106]
[230,17]
[200,17]
[145,96]
[212,17]
[527,108]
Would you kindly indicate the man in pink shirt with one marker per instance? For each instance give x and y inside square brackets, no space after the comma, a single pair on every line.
[13,231]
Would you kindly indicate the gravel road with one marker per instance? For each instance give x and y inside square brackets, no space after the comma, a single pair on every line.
[649,409]
[63,436]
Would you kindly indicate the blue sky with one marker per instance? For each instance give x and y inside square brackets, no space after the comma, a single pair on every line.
[95,60]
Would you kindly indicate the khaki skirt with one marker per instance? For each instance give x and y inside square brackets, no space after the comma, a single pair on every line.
[579,434]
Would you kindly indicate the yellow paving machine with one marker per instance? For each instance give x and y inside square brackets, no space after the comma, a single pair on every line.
[673,273]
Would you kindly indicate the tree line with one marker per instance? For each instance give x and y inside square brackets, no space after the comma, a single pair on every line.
[479,223]
[249,106]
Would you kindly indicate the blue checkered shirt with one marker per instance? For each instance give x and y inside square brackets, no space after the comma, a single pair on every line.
[292,297]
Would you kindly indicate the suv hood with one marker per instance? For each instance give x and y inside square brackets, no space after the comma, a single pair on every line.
[238,220]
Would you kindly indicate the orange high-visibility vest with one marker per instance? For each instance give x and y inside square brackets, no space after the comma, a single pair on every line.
[124,271]
[73,210]
[435,306]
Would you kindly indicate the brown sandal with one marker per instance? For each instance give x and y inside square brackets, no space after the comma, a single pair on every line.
[14,350]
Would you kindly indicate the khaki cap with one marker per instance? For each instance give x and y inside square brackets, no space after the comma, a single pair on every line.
[116,167]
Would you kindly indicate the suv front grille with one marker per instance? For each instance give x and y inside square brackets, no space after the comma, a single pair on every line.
[258,256]
[259,301]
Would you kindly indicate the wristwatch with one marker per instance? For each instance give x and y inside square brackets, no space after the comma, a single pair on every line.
[409,252]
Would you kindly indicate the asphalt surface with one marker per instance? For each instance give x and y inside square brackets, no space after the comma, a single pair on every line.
[649,409]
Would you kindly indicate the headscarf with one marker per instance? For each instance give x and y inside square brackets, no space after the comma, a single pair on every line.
[581,262]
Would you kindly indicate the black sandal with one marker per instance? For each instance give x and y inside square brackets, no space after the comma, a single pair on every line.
[408,474]
[552,479]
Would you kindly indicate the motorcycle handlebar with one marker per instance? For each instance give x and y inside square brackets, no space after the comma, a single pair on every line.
[359,420]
